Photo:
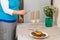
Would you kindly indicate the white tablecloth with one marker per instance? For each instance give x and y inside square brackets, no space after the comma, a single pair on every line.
[24,30]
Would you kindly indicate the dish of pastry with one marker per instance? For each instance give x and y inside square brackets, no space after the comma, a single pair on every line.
[39,34]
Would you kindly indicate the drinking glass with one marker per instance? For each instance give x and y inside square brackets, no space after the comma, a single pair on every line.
[32,17]
[37,16]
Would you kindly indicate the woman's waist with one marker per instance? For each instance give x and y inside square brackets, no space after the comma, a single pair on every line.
[8,18]
[9,21]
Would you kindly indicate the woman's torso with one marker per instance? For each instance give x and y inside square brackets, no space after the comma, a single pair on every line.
[13,4]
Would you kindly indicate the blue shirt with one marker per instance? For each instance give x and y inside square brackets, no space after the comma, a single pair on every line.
[13,4]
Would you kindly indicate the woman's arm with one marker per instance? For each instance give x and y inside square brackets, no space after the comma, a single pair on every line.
[6,9]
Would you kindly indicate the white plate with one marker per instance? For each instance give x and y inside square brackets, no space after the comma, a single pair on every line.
[39,37]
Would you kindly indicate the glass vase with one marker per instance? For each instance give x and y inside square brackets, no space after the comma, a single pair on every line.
[48,22]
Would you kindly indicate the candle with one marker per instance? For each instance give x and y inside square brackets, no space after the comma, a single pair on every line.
[57,15]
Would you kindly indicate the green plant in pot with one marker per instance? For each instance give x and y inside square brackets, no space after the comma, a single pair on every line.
[49,11]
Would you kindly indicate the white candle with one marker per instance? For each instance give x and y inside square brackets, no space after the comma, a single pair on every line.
[57,5]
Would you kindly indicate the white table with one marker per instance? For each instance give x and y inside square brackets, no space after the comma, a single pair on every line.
[23,31]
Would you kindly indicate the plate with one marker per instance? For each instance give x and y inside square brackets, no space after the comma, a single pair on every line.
[39,37]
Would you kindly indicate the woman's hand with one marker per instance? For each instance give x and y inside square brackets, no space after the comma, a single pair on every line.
[20,19]
[20,12]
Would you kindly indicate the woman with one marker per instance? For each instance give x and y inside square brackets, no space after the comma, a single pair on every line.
[9,11]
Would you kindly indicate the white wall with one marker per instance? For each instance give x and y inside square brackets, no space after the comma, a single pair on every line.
[35,5]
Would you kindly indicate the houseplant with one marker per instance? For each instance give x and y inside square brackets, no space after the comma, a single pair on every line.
[49,11]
